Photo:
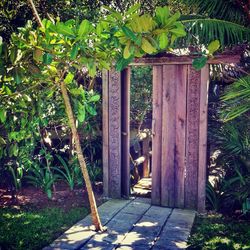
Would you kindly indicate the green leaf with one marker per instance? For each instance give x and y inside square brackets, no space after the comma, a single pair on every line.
[133,9]
[49,193]
[126,52]
[69,78]
[163,41]
[13,55]
[199,63]
[92,69]
[170,21]
[91,110]
[74,51]
[47,58]
[3,115]
[147,46]
[179,32]
[76,91]
[17,76]
[64,30]
[15,150]
[85,28]
[81,114]
[122,63]
[213,46]
[99,29]
[162,13]
[129,33]
[94,98]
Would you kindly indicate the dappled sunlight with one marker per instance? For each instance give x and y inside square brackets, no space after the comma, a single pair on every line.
[146,224]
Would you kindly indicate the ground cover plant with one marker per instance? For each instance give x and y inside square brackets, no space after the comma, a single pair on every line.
[218,232]
[25,228]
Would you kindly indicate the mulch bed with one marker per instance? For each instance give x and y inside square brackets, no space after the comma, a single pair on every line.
[32,197]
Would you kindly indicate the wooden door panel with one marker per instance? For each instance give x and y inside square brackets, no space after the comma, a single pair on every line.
[156,140]
[180,146]
[168,136]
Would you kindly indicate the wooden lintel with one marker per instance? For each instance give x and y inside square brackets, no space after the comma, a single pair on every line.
[171,59]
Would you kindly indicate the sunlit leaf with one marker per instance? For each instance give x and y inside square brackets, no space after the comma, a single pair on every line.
[3,115]
[126,52]
[94,98]
[147,46]
[213,46]
[85,28]
[69,78]
[64,30]
[163,41]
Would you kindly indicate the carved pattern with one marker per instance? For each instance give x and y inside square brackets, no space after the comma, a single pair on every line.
[114,134]
[192,153]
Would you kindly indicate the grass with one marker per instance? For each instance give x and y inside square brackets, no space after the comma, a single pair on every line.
[34,229]
[217,232]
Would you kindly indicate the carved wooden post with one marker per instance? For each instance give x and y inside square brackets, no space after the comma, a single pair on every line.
[112,134]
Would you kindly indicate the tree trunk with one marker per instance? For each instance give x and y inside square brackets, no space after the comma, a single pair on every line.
[93,207]
[69,112]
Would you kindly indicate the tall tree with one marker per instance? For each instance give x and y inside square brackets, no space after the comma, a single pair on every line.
[94,212]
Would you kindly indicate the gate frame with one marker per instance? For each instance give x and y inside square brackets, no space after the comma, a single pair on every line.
[116,129]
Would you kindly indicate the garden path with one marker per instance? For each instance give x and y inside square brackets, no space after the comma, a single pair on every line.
[131,224]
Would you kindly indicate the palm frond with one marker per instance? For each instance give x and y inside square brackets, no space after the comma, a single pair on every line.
[219,9]
[237,99]
[205,30]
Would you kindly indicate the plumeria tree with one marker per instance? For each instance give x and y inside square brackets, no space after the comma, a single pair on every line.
[42,62]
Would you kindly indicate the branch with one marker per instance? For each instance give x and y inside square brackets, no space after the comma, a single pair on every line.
[38,19]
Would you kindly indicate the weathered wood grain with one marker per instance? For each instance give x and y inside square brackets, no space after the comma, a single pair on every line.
[168,136]
[202,167]
[105,131]
[125,118]
[180,138]
[174,60]
[157,135]
[145,152]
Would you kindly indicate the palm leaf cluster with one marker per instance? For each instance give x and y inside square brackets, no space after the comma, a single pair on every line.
[220,9]
[237,99]
[205,30]
[208,20]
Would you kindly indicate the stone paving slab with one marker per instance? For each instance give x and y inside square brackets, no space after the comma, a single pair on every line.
[131,224]
[119,226]
[83,230]
[176,231]
[147,229]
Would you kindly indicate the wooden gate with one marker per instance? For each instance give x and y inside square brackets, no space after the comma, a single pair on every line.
[180,98]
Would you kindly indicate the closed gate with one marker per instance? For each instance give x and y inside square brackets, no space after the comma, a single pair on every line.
[180,97]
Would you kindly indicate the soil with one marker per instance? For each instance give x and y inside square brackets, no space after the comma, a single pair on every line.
[63,197]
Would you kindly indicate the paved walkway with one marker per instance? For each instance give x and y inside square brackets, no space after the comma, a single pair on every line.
[131,224]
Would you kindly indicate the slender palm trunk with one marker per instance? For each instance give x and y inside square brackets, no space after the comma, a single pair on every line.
[93,207]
